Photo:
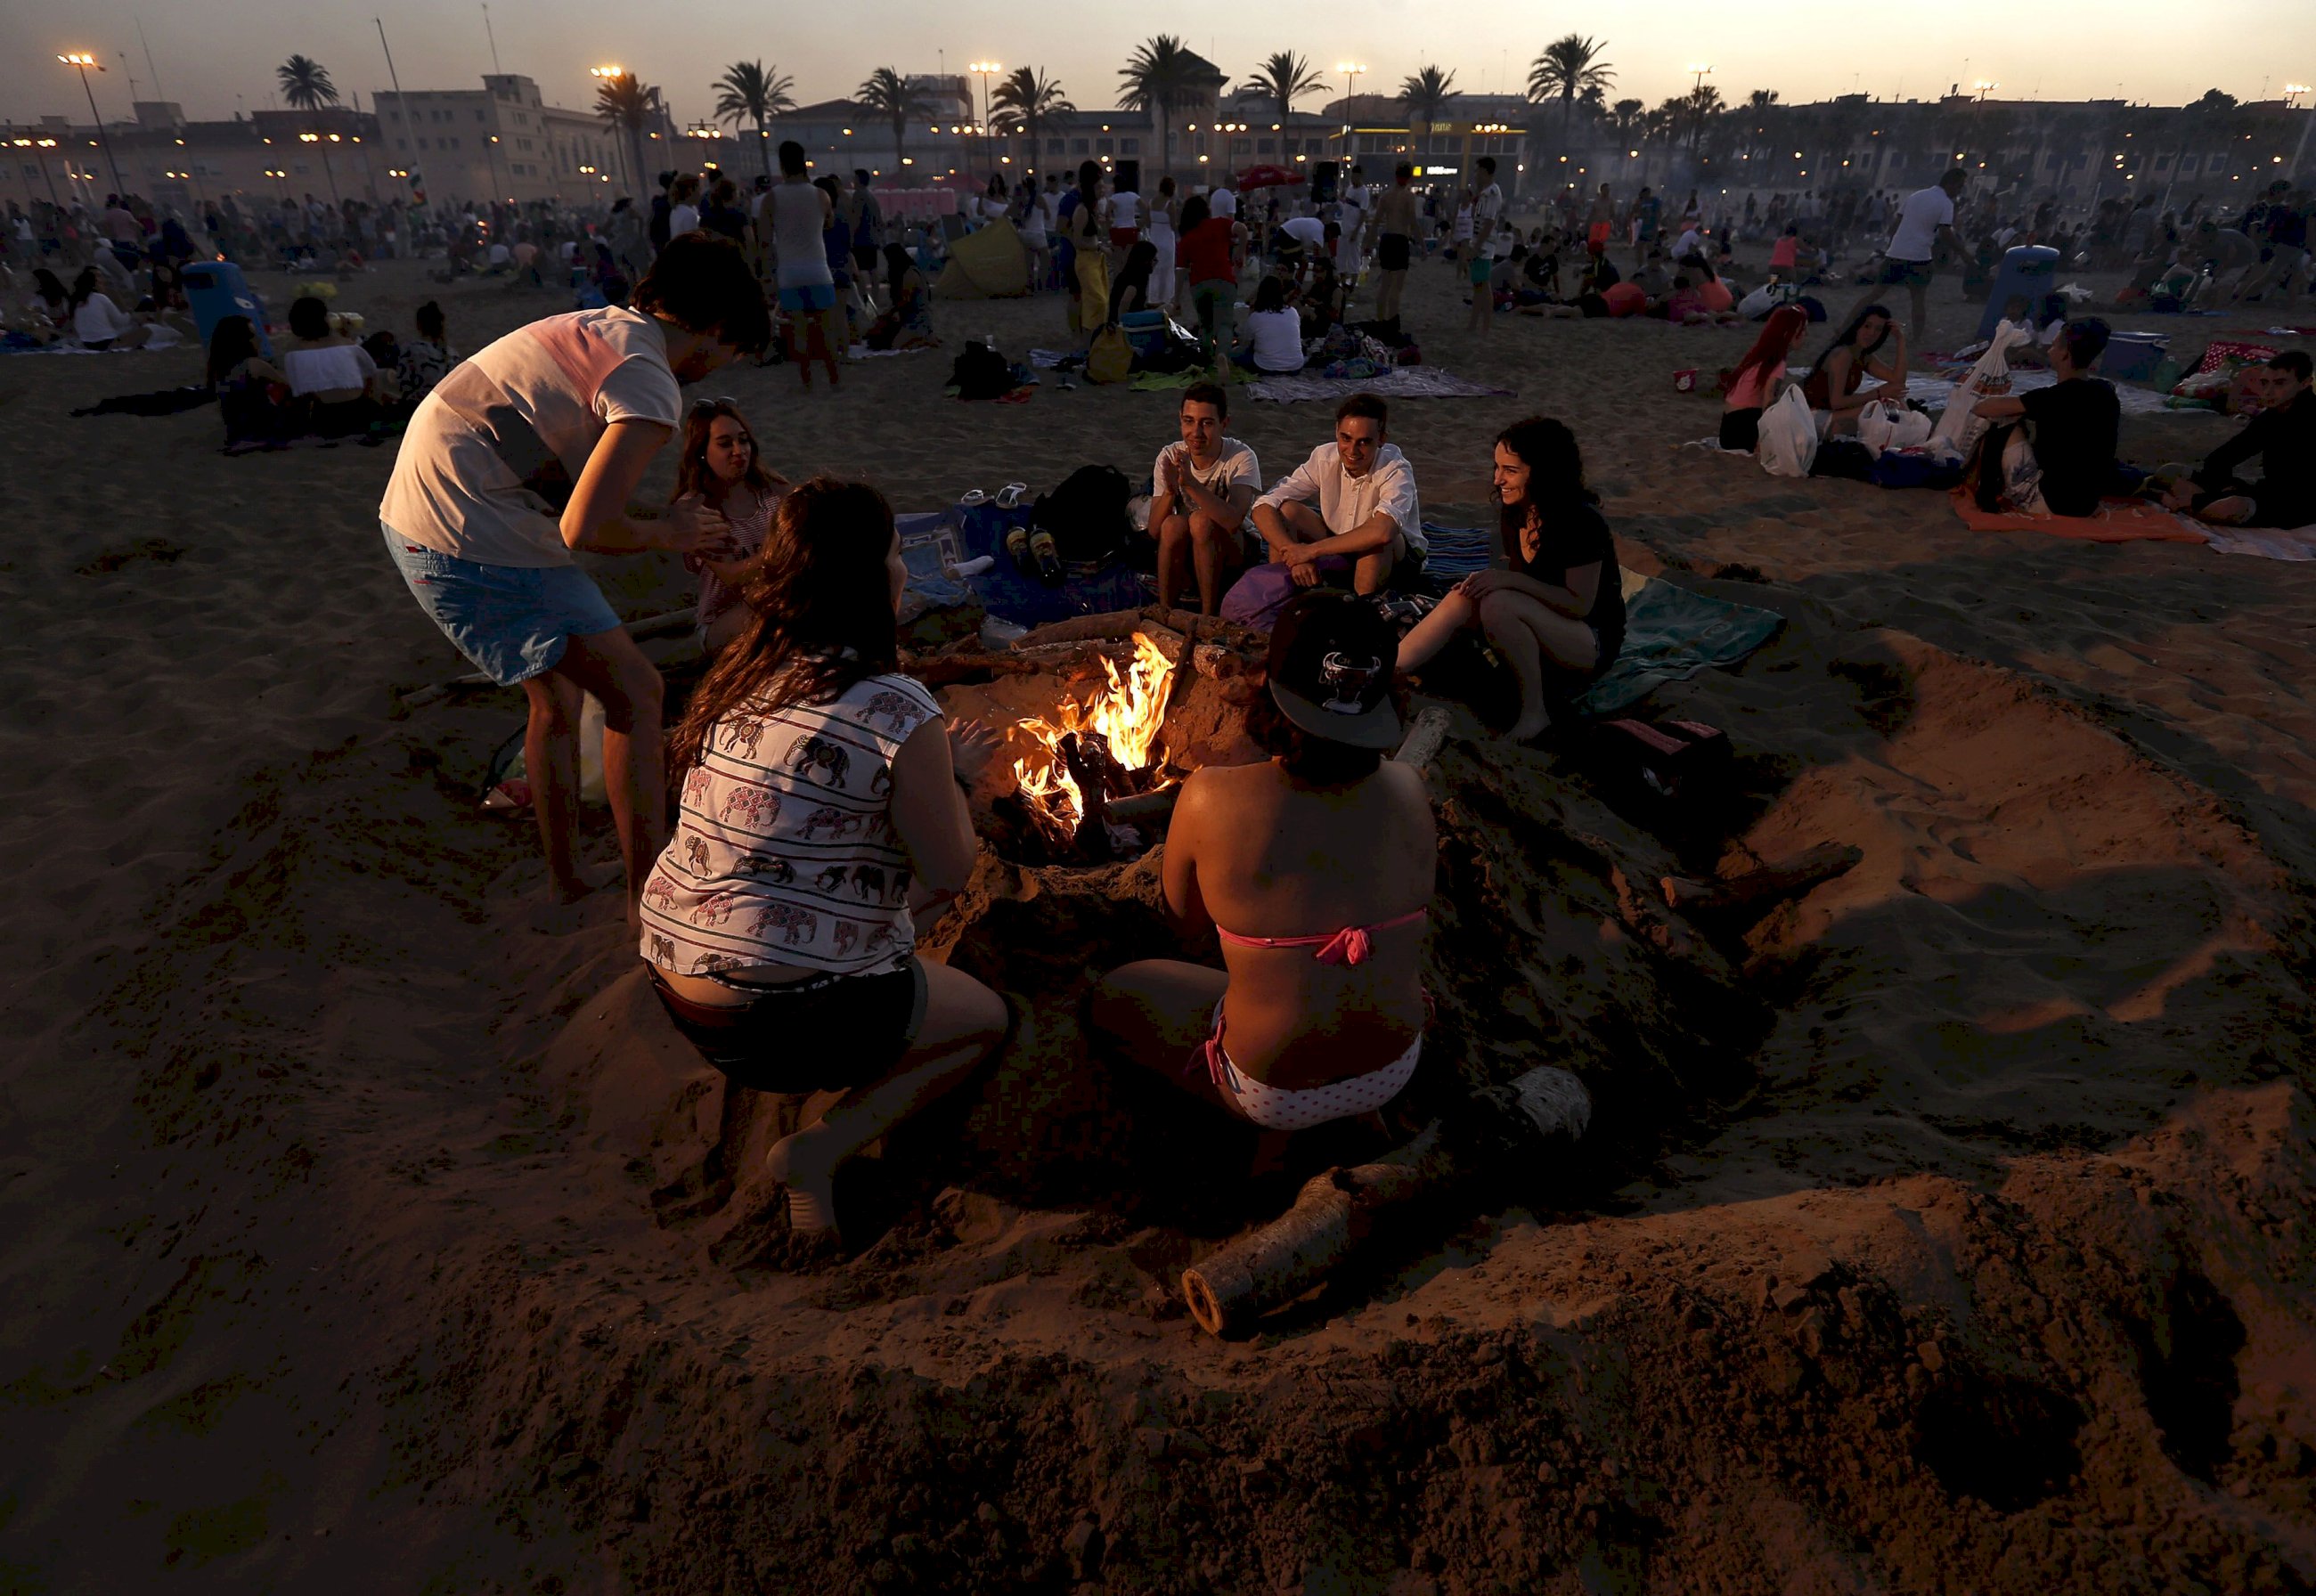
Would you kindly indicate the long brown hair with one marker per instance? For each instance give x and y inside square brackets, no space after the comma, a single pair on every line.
[820,605]
[691,472]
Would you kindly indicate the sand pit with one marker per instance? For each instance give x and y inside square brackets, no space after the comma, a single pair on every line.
[1939,1229]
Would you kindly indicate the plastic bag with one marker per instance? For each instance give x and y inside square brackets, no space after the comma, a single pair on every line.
[1958,430]
[1788,445]
[1882,426]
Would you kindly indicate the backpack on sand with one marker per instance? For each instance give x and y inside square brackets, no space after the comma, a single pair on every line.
[1087,515]
[1111,357]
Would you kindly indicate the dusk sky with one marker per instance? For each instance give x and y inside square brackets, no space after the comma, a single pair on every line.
[208,51]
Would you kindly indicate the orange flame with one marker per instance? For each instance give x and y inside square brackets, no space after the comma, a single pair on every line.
[1128,713]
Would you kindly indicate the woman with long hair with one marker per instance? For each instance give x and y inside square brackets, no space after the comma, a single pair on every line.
[1131,290]
[1753,382]
[820,814]
[97,322]
[910,321]
[1315,868]
[245,382]
[1162,237]
[1835,387]
[721,464]
[1091,262]
[1554,608]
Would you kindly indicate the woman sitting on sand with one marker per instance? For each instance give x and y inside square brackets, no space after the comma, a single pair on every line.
[331,376]
[909,323]
[425,360]
[96,321]
[1555,609]
[821,811]
[1315,869]
[1274,333]
[1835,387]
[1756,379]
[250,389]
[721,464]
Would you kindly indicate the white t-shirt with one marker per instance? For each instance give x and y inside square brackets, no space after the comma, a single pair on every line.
[1491,207]
[333,367]
[1234,467]
[1345,501]
[508,421]
[682,219]
[1278,339]
[1222,202]
[1310,230]
[99,319]
[1925,211]
[1125,209]
[1691,243]
[501,254]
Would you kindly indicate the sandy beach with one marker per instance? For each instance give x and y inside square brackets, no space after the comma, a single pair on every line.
[1944,1230]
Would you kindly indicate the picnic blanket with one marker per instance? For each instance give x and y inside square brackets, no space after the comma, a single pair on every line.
[2118,520]
[1456,552]
[2294,543]
[1145,382]
[1400,382]
[1934,391]
[1671,634]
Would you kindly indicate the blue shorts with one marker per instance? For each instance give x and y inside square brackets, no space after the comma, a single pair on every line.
[811,296]
[510,620]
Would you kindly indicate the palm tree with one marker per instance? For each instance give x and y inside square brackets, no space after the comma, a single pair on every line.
[306,86]
[1704,103]
[751,93]
[895,99]
[1569,67]
[625,101]
[1164,75]
[1022,101]
[1280,79]
[1423,93]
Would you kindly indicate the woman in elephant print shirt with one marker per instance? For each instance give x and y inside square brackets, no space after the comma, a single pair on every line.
[820,813]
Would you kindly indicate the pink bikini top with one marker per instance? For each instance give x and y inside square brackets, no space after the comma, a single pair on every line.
[1346,946]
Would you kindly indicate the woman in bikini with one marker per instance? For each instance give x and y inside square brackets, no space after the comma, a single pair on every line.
[1315,868]
[723,465]
[1836,386]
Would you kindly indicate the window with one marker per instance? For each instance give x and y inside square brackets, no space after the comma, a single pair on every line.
[2187,164]
[1129,146]
[1263,146]
[1102,147]
[454,144]
[402,144]
[1079,147]
[1242,146]
[479,117]
[1054,147]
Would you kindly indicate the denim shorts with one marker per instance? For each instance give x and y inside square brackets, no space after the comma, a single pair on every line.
[510,620]
[808,297]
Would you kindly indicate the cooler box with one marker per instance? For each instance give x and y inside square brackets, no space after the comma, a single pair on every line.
[217,290]
[2132,357]
[2032,269]
[1144,329]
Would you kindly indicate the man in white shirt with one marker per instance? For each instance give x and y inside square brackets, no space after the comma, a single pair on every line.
[1205,485]
[1302,239]
[1222,202]
[1487,219]
[1925,221]
[1354,499]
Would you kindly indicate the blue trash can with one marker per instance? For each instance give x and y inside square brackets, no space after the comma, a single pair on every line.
[217,290]
[2032,269]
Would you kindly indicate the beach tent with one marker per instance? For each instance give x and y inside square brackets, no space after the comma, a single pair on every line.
[986,264]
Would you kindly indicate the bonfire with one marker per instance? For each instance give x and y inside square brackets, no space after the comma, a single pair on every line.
[1069,769]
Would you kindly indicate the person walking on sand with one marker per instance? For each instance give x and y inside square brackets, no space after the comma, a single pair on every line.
[802,215]
[1396,222]
[1487,217]
[531,449]
[1926,225]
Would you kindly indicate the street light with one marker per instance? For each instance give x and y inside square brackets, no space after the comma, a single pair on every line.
[1350,71]
[983,69]
[82,61]
[1985,88]
[42,161]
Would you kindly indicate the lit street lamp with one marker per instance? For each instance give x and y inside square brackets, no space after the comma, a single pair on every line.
[1350,71]
[82,61]
[984,68]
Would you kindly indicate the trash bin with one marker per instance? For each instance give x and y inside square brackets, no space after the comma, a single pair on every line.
[2032,269]
[217,290]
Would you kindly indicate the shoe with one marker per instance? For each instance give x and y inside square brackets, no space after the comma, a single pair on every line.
[1012,493]
[973,495]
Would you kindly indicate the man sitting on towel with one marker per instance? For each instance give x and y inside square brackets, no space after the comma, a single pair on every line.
[1204,485]
[2284,434]
[1354,499]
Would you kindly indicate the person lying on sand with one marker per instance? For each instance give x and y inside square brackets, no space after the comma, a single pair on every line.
[821,815]
[1205,483]
[1315,868]
[1554,610]
[1835,387]
[2068,462]
[722,468]
[1353,499]
[2282,435]
[573,406]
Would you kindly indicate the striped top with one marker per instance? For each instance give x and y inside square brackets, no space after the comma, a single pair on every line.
[784,850]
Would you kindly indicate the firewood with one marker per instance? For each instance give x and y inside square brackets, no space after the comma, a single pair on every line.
[1422,743]
[1753,893]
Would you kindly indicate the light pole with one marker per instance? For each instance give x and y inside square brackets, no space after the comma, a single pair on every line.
[984,70]
[41,147]
[2292,91]
[1350,71]
[81,61]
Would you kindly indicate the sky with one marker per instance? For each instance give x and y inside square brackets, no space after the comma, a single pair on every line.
[207,52]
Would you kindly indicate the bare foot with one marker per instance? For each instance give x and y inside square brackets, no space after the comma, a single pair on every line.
[1534,724]
[802,1163]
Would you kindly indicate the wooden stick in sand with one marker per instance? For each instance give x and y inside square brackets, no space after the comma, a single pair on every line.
[1755,892]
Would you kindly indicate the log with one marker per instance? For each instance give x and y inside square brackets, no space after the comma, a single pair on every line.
[1146,806]
[1424,739]
[1539,1115]
[1114,626]
[1755,892]
[948,669]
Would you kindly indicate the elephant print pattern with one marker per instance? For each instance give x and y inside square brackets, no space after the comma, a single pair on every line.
[784,852]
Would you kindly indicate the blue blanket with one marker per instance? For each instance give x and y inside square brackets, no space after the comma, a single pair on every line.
[1671,634]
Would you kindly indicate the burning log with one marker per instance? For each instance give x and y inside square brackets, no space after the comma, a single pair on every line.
[1540,1115]
[1090,766]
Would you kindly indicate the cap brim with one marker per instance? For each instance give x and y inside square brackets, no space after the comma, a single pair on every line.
[1370,729]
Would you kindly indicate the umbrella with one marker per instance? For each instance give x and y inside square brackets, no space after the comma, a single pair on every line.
[1268,177]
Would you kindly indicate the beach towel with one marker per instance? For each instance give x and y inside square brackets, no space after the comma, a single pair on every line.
[2118,520]
[1454,553]
[1003,590]
[1671,634]
[2297,543]
[1401,382]
[1937,391]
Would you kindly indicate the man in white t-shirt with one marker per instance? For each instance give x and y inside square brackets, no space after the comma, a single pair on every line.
[1301,240]
[1925,221]
[1487,224]
[1125,220]
[1205,485]
[1222,202]
[1354,499]
[530,449]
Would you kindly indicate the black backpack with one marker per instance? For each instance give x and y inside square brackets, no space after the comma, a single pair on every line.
[980,372]
[1087,515]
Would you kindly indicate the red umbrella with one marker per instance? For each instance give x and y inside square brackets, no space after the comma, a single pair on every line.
[1268,177]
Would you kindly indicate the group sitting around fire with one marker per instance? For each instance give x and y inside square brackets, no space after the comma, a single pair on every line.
[824,805]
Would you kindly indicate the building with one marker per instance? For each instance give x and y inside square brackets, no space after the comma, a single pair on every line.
[503,141]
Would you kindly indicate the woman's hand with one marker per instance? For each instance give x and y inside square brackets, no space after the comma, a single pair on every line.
[691,526]
[972,753]
[1479,585]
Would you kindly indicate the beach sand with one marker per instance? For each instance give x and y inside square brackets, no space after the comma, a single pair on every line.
[1944,1232]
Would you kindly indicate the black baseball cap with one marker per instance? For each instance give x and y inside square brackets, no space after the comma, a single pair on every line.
[1332,661]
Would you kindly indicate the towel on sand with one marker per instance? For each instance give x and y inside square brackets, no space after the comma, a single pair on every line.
[1671,634]
[2118,520]
[1400,382]
[2295,543]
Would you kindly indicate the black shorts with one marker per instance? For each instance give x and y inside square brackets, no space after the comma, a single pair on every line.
[829,1034]
[1905,274]
[1392,251]
[864,256]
